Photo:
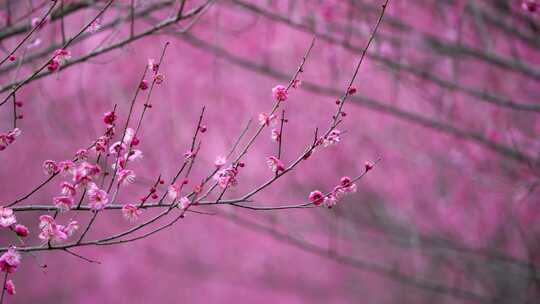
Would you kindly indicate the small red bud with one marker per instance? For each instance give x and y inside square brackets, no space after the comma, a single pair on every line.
[21,230]
[143,85]
[203,128]
[351,91]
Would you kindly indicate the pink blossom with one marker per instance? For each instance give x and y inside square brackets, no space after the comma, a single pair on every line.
[274,135]
[189,155]
[131,212]
[7,217]
[53,65]
[332,138]
[159,78]
[152,65]
[184,203]
[174,191]
[50,231]
[369,165]
[529,5]
[330,201]
[296,83]
[143,85]
[126,177]
[95,26]
[21,230]
[109,118]
[346,185]
[316,197]
[101,144]
[68,189]
[275,164]
[9,138]
[66,167]
[81,154]
[37,22]
[220,161]
[130,136]
[280,93]
[62,54]
[226,177]
[63,203]
[135,155]
[70,229]
[117,148]
[50,167]
[10,287]
[266,120]
[10,260]
[97,198]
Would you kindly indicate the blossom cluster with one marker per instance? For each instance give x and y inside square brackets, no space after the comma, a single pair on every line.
[8,138]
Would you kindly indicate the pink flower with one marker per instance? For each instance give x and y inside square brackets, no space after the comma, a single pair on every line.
[152,65]
[226,177]
[159,78]
[81,154]
[50,167]
[21,230]
[316,197]
[53,65]
[330,201]
[346,185]
[369,165]
[279,93]
[10,260]
[184,203]
[101,144]
[7,217]
[117,148]
[130,137]
[126,177]
[332,138]
[70,229]
[296,83]
[266,120]
[95,26]
[9,138]
[50,231]
[135,155]
[143,85]
[275,164]
[529,5]
[36,22]
[63,203]
[109,118]
[274,135]
[97,198]
[174,192]
[220,161]
[131,212]
[10,287]
[66,167]
[62,54]
[68,189]
[189,155]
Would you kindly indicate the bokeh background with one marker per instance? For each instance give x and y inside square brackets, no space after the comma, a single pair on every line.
[448,98]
